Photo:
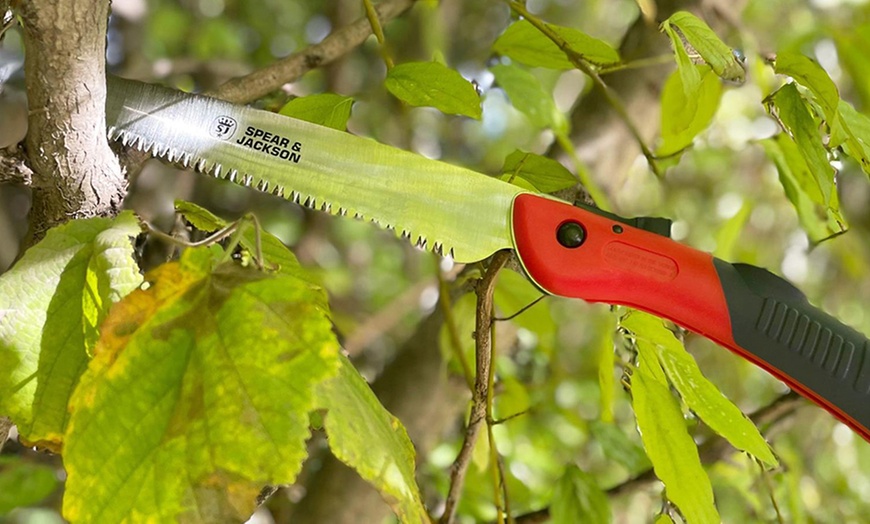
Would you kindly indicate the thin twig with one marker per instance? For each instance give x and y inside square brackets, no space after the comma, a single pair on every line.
[521,311]
[581,64]
[497,473]
[483,354]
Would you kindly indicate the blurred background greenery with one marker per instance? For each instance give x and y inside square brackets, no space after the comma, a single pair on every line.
[724,196]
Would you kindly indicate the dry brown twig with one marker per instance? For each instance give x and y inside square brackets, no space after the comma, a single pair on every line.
[483,363]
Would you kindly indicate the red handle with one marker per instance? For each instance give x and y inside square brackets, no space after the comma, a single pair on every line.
[754,314]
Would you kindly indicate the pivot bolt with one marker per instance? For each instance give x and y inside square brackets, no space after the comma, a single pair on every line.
[571,235]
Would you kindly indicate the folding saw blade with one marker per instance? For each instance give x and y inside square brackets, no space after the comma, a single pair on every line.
[441,207]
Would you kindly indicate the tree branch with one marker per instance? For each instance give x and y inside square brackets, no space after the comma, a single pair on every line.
[264,81]
[483,352]
[75,173]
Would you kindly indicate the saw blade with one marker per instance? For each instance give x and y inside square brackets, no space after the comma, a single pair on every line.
[444,208]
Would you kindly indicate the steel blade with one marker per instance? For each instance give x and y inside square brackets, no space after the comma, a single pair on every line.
[442,207]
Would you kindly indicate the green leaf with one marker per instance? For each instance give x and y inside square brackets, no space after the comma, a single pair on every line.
[198,394]
[434,85]
[24,484]
[853,129]
[686,113]
[524,43]
[690,76]
[51,303]
[325,109]
[545,174]
[820,220]
[714,51]
[518,181]
[811,75]
[529,97]
[671,449]
[663,518]
[366,437]
[200,217]
[702,397]
[794,113]
[579,500]
[618,447]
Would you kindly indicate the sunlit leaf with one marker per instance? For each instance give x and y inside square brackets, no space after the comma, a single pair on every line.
[434,85]
[578,500]
[518,181]
[690,76]
[366,437]
[794,113]
[663,518]
[325,109]
[198,394]
[529,97]
[24,483]
[714,51]
[545,174]
[702,397]
[819,220]
[671,449]
[811,75]
[685,113]
[51,304]
[524,43]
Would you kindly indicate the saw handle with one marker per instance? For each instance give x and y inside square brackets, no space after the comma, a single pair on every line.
[578,253]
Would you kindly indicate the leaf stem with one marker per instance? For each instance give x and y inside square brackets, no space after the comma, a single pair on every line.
[581,64]
[378,31]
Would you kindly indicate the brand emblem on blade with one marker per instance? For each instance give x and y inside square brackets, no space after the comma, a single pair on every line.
[223,127]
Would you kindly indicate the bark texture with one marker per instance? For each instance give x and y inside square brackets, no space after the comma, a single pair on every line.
[75,173]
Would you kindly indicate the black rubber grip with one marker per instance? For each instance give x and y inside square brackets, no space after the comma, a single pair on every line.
[814,353]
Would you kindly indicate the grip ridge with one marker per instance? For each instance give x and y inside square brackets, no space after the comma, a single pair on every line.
[788,327]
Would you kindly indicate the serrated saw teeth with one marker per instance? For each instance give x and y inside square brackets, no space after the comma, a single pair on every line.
[319,167]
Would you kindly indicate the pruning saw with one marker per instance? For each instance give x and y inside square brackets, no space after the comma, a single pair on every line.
[568,250]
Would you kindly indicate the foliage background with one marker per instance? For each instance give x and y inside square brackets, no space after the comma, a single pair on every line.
[724,196]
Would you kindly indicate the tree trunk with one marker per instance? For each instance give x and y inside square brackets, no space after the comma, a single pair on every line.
[75,173]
